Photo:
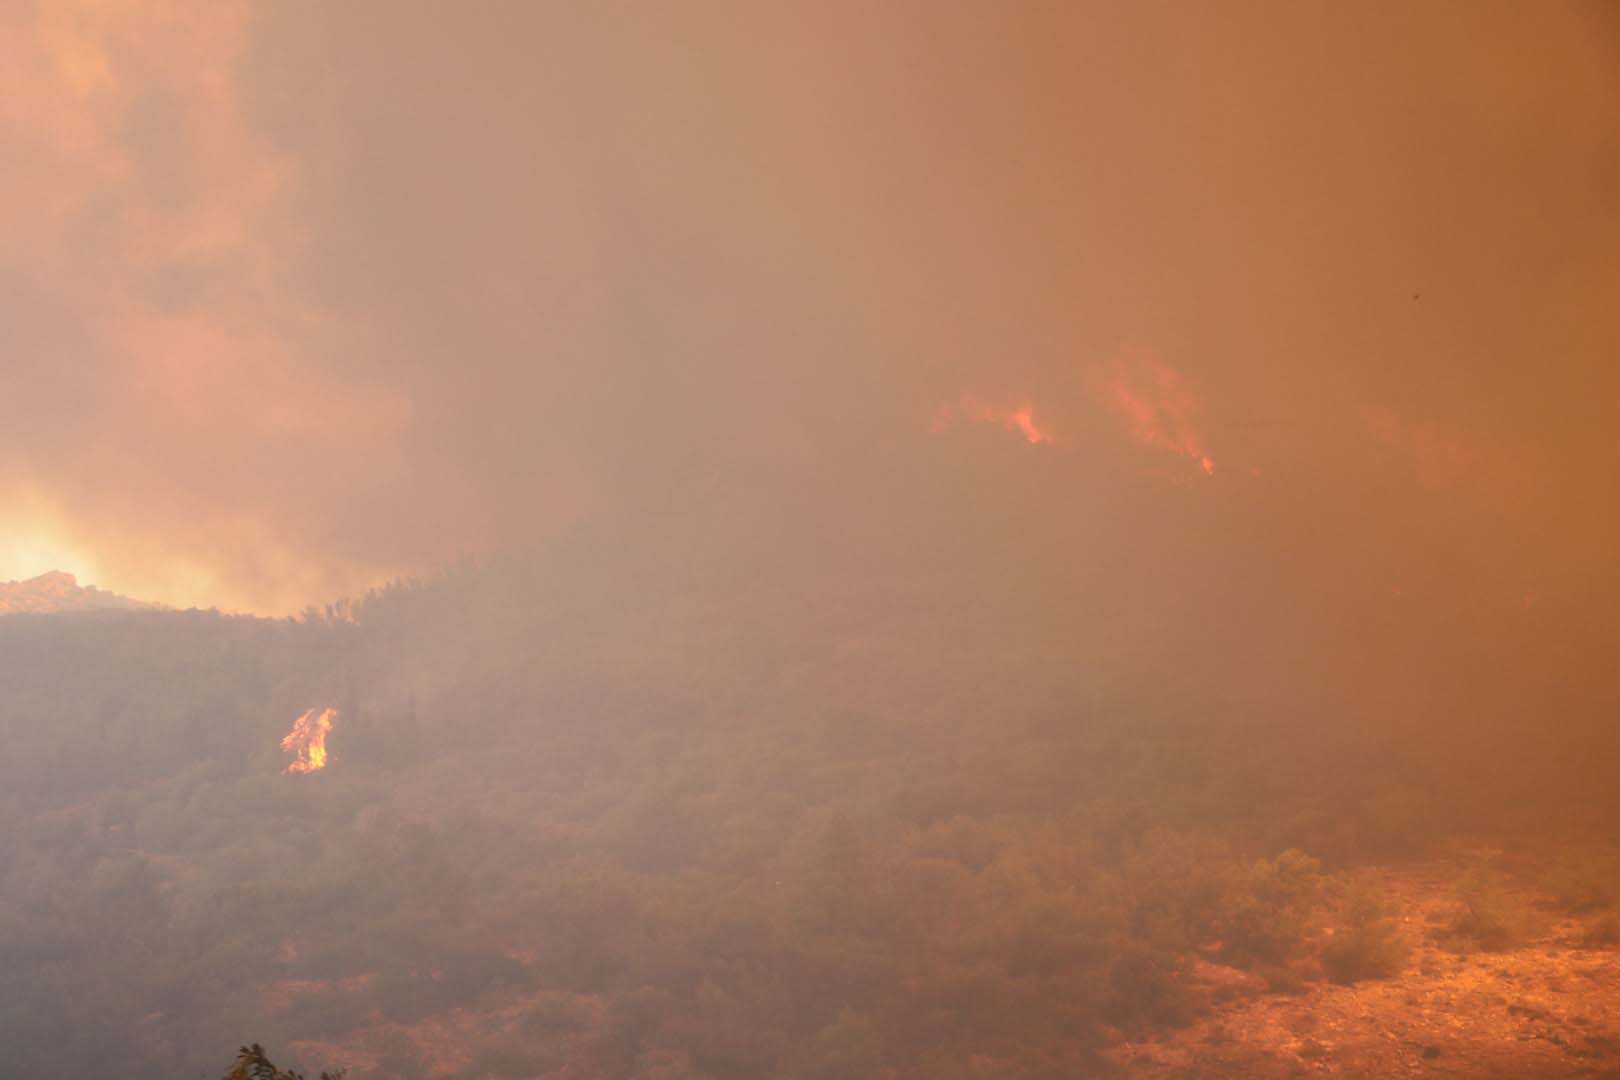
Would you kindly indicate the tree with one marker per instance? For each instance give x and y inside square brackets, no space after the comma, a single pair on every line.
[253,1064]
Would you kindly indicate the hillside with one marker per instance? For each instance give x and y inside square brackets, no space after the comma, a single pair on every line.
[57,592]
[613,809]
[1542,1006]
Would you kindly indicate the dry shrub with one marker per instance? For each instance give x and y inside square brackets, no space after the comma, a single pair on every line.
[1491,915]
[1371,943]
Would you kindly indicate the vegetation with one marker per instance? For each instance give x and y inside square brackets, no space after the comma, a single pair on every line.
[253,1064]
[1590,883]
[1491,915]
[1370,944]
[667,822]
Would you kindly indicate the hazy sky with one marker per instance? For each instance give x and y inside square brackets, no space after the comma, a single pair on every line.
[298,296]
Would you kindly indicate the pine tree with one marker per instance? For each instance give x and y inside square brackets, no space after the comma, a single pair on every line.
[253,1064]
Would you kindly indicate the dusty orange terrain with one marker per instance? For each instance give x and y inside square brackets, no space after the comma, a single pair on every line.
[1550,1008]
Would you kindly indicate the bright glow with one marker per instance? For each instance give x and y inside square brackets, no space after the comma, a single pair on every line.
[1157,405]
[307,740]
[1019,419]
[273,580]
[27,553]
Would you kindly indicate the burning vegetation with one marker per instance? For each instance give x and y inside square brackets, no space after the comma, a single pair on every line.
[603,874]
[1159,407]
[307,740]
[1018,419]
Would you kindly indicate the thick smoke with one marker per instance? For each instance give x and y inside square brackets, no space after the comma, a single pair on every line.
[302,296]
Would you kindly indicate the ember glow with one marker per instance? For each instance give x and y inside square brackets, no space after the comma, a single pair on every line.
[1158,407]
[307,740]
[1019,419]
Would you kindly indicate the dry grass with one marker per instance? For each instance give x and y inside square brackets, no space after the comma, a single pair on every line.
[1547,1005]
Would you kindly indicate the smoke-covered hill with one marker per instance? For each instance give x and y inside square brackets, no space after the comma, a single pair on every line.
[56,592]
[723,794]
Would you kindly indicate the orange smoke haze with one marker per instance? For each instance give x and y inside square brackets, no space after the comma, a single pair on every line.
[307,740]
[299,298]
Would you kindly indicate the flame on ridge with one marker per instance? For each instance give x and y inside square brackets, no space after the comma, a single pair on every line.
[1157,405]
[1019,419]
[307,740]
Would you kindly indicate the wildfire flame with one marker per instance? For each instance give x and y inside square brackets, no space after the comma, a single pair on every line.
[307,740]
[1019,419]
[1159,408]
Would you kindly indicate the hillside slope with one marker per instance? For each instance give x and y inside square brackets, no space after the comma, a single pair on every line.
[626,810]
[57,592]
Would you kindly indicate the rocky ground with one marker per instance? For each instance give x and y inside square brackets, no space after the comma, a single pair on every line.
[1550,1007]
[1547,1007]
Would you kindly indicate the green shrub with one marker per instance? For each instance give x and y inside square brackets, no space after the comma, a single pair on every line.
[1603,932]
[1145,989]
[1267,910]
[1174,887]
[1585,884]
[1371,943]
[253,1064]
[1491,916]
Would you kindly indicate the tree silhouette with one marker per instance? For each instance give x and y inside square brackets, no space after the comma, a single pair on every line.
[253,1064]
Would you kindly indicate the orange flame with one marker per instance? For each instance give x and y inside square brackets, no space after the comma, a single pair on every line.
[1019,419]
[307,740]
[1157,405]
